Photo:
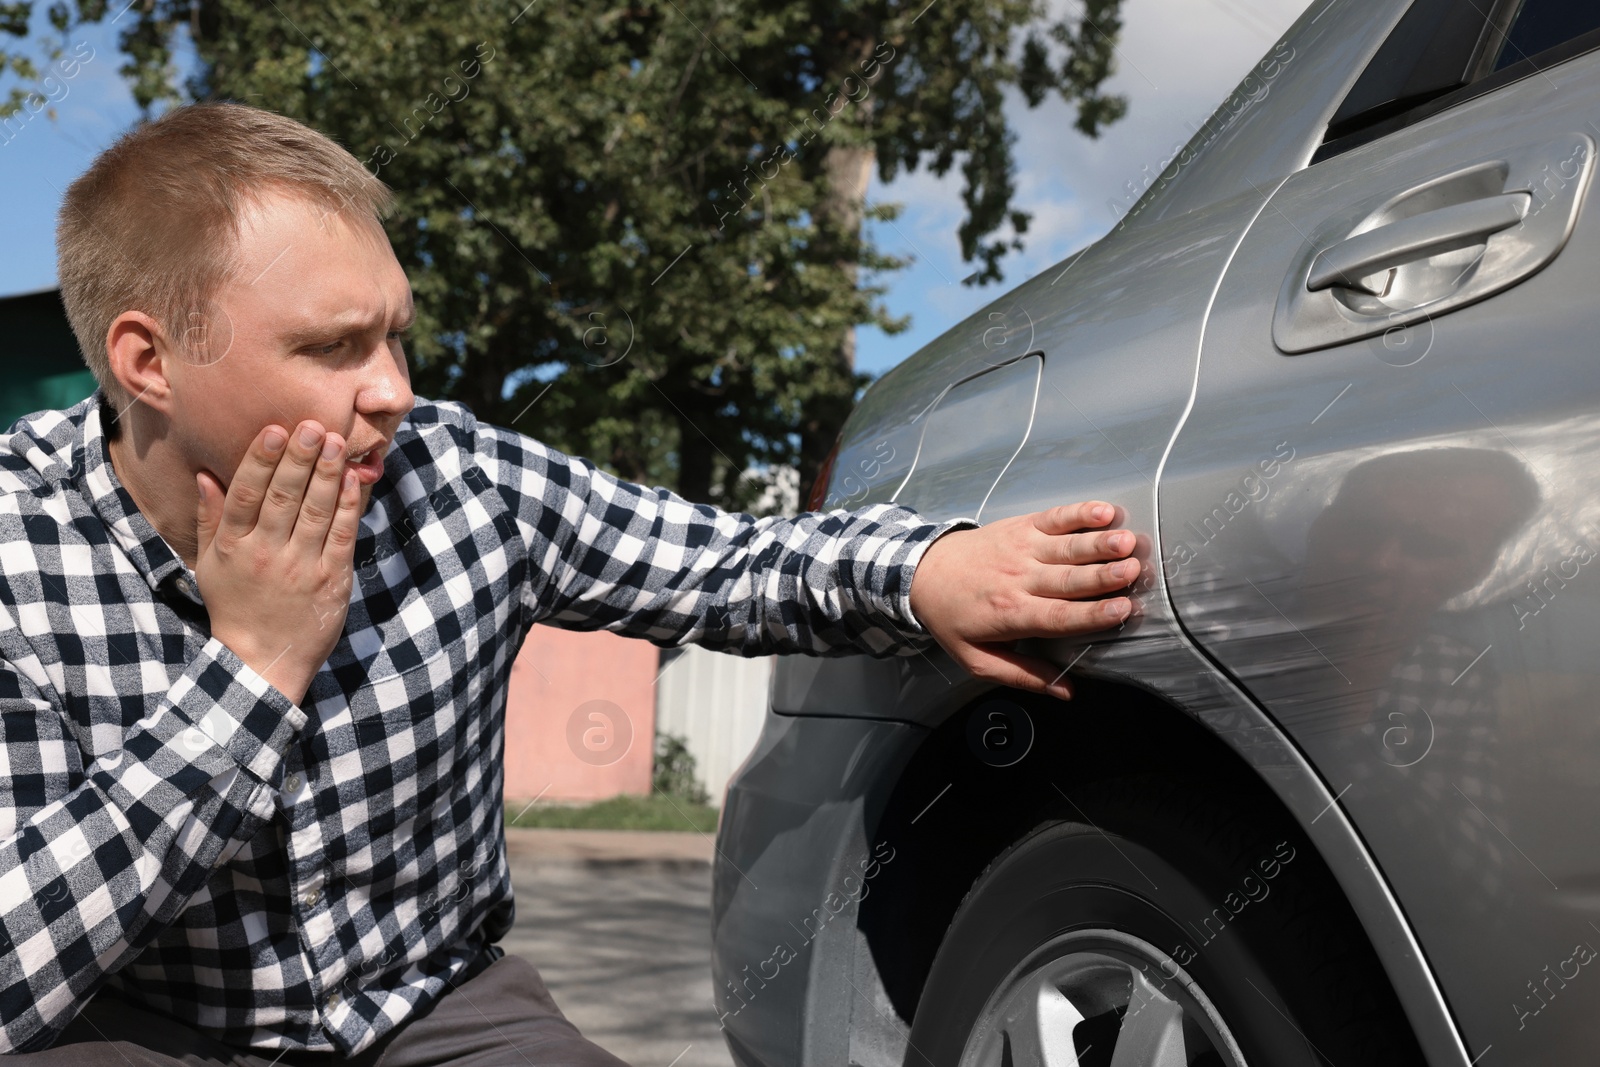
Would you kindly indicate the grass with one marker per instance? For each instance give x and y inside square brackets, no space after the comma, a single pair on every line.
[626,812]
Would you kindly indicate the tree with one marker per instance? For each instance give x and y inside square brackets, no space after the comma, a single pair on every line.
[636,230]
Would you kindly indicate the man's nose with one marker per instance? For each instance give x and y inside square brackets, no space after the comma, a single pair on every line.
[387,388]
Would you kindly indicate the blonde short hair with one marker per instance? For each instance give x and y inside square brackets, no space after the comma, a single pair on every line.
[153,225]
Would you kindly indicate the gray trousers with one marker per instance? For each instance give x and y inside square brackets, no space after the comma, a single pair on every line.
[503,1017]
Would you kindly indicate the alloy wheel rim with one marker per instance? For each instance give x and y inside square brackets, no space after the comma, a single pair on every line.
[1100,998]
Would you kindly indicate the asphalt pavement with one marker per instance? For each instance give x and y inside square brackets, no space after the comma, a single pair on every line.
[618,924]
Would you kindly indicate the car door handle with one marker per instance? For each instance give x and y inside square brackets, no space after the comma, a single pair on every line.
[1432,232]
[1417,249]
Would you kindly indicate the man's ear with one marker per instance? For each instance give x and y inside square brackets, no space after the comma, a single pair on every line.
[141,360]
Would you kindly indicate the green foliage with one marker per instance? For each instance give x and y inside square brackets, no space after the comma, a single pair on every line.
[35,78]
[625,812]
[674,772]
[635,230]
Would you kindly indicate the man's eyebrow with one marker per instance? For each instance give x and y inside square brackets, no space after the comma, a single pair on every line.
[337,326]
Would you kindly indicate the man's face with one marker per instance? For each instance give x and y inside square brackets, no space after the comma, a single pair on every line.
[309,326]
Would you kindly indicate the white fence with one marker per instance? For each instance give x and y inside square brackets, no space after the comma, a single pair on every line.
[716,702]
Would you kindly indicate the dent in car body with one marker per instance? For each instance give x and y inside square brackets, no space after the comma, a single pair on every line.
[1119,323]
[1415,600]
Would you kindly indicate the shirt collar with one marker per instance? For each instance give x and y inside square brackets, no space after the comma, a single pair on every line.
[145,547]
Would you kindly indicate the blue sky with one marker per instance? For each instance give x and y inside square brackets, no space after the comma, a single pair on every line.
[1176,61]
[43,156]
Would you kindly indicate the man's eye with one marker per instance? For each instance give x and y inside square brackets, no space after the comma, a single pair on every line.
[327,349]
[400,335]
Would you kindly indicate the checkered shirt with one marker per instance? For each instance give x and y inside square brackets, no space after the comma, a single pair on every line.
[307,877]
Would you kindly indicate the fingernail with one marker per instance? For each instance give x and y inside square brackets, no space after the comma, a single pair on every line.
[1116,609]
[274,440]
[1101,513]
[308,437]
[1126,569]
[331,448]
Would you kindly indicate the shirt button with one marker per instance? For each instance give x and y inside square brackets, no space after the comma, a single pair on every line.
[291,784]
[310,900]
[333,1000]
[185,586]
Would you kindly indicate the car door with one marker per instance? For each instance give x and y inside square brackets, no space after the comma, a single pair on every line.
[1381,514]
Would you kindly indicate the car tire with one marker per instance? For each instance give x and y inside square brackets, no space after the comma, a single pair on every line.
[1156,922]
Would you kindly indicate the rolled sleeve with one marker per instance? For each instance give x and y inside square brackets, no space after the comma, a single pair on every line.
[608,554]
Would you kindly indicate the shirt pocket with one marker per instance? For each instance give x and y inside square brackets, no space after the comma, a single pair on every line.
[389,700]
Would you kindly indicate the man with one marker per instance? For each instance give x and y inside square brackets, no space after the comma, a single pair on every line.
[251,804]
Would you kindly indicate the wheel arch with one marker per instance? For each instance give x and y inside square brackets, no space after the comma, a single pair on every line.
[954,813]
[950,813]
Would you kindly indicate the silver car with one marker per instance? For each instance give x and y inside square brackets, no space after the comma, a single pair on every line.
[1332,796]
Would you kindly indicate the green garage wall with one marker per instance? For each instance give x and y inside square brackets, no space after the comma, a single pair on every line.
[44,369]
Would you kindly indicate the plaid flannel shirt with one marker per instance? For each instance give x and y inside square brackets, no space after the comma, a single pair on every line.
[307,877]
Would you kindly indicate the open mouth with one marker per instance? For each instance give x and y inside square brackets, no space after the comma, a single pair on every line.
[368,465]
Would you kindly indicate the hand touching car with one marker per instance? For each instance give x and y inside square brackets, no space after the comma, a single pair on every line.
[978,590]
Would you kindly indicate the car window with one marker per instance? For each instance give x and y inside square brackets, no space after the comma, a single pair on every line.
[1443,52]
[1541,25]
[1429,53]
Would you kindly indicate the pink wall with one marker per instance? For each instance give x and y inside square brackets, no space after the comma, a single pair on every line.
[580,717]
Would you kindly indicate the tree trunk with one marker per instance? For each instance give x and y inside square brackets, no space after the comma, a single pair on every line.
[848,169]
[482,381]
[695,457]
